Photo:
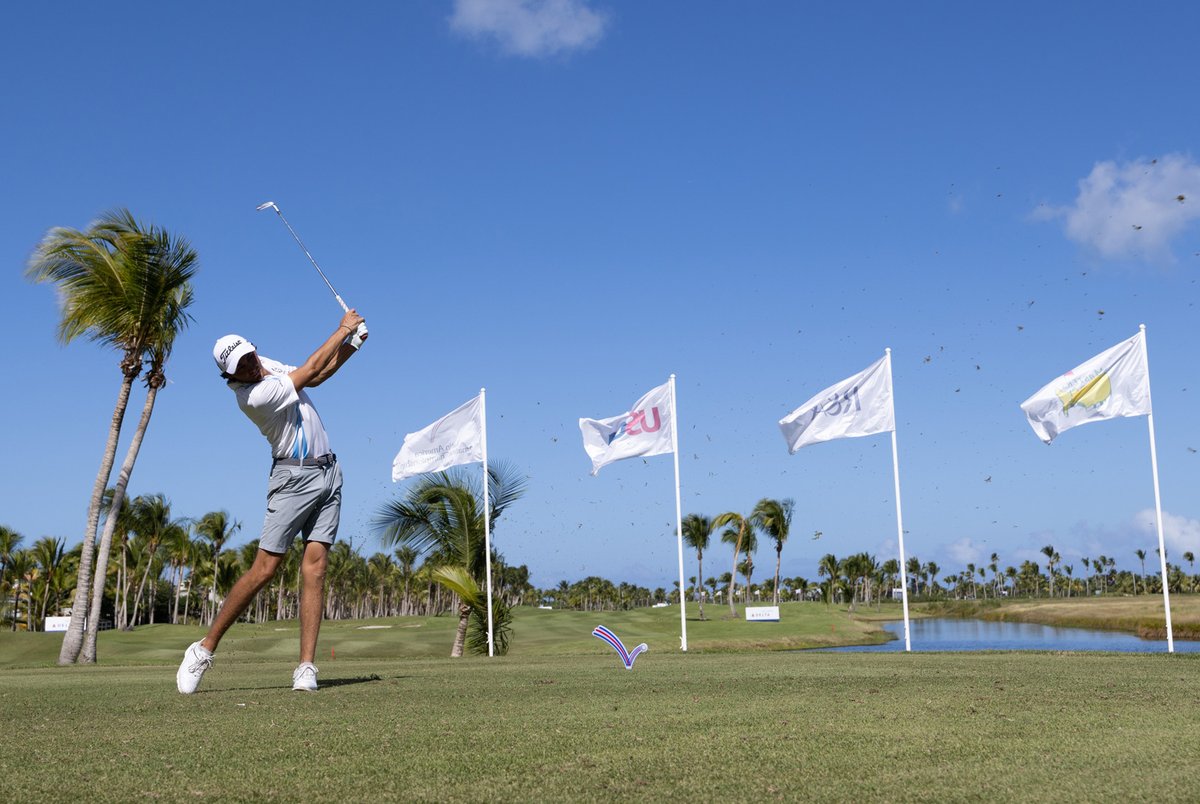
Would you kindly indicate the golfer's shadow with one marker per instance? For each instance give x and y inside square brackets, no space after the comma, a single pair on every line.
[324,684]
[344,682]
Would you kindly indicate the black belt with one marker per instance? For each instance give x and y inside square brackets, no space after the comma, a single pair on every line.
[323,460]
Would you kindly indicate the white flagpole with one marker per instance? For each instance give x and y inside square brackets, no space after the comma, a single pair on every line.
[487,524]
[899,515]
[679,522]
[1162,549]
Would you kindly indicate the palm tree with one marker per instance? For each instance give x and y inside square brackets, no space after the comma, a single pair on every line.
[774,518]
[1050,554]
[1100,565]
[127,287]
[217,527]
[734,534]
[10,540]
[746,567]
[933,569]
[441,515]
[829,567]
[22,567]
[153,523]
[178,545]
[697,531]
[1141,554]
[406,561]
[47,553]
[913,567]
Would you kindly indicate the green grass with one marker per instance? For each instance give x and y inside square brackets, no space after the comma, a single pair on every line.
[561,719]
[707,726]
[537,632]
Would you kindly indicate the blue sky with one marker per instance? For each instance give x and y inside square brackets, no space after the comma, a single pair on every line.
[568,201]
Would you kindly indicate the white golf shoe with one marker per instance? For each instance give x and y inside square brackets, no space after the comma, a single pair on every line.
[305,677]
[196,660]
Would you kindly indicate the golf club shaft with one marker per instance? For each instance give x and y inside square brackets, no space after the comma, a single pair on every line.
[303,248]
[361,332]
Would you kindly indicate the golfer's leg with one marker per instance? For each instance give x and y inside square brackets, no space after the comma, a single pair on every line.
[312,597]
[242,595]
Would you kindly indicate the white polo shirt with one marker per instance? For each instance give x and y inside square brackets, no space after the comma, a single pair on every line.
[285,416]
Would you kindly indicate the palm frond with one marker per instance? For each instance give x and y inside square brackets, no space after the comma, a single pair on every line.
[460,582]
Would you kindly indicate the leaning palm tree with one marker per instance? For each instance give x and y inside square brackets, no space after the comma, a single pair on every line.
[736,526]
[697,531]
[441,515]
[774,519]
[127,287]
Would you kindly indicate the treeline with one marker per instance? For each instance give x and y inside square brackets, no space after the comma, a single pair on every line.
[178,570]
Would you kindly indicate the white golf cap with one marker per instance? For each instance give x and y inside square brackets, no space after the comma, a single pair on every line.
[229,350]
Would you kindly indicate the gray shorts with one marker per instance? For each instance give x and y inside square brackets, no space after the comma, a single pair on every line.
[301,499]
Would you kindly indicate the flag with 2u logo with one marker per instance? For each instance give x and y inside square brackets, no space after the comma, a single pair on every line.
[644,430]
[857,406]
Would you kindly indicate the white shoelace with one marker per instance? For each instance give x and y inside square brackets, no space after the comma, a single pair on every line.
[201,664]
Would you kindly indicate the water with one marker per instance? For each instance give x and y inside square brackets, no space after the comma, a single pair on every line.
[937,634]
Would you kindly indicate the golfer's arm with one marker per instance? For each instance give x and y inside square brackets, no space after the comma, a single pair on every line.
[339,358]
[322,363]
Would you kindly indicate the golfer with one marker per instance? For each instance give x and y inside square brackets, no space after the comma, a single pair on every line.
[304,493]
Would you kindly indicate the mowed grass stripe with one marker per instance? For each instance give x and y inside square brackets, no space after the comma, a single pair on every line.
[536,632]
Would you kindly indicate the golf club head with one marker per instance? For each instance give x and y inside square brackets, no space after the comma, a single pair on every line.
[270,204]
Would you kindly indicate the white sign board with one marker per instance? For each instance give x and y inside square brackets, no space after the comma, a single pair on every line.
[762,614]
[57,623]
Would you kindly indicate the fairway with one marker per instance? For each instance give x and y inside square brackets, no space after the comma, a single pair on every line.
[577,726]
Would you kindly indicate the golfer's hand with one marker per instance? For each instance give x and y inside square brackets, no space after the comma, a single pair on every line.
[351,320]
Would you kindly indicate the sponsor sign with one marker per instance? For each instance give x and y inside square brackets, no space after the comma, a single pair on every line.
[762,614]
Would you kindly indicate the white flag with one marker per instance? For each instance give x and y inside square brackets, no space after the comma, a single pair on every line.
[645,430]
[455,438]
[858,406]
[1114,383]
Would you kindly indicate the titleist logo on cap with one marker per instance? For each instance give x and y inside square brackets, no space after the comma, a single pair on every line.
[229,350]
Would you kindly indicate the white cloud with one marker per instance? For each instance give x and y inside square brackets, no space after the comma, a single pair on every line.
[532,28]
[1133,209]
[964,552]
[1179,533]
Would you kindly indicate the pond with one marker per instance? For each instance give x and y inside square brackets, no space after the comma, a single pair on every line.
[935,634]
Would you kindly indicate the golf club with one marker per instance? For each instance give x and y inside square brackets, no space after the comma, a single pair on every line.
[362,328]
